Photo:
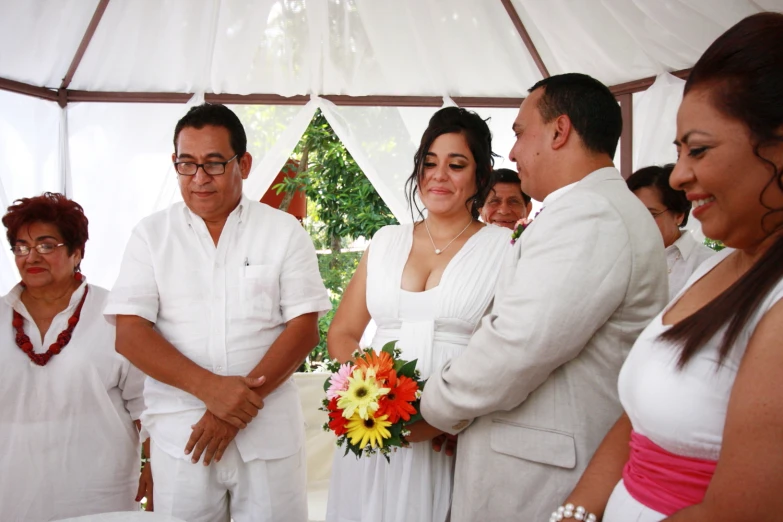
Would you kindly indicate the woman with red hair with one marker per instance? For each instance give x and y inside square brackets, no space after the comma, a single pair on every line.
[69,401]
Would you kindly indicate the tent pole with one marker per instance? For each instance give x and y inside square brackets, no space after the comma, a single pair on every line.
[77,58]
[626,138]
[67,95]
[531,47]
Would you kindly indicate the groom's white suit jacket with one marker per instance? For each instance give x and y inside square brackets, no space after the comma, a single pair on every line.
[536,386]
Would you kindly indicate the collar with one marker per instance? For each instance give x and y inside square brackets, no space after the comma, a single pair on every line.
[603,173]
[240,210]
[14,297]
[557,194]
[685,244]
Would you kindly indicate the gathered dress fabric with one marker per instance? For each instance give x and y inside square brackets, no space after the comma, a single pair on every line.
[681,411]
[432,327]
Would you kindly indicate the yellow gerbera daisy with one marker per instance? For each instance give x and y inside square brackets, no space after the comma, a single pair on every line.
[370,430]
[362,394]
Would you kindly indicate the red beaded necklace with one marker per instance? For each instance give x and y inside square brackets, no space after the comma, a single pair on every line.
[23,341]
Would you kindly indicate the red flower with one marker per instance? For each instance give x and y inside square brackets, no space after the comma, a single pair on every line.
[397,403]
[382,363]
[336,420]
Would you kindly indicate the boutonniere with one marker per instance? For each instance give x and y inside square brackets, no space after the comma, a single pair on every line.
[520,227]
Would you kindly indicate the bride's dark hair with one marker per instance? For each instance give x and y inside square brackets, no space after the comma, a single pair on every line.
[476,131]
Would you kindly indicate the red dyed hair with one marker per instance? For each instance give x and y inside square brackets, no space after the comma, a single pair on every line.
[52,208]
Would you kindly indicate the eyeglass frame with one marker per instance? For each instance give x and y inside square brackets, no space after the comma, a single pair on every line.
[37,249]
[203,166]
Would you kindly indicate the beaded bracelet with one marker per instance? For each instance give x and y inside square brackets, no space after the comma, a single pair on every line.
[569,511]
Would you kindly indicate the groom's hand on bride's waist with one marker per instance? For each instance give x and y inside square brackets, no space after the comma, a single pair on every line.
[446,442]
[421,431]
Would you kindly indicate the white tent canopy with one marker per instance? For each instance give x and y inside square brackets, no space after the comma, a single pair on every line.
[90,90]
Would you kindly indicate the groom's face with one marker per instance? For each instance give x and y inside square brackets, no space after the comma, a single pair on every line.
[530,151]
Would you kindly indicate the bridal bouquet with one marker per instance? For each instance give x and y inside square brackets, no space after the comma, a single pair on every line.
[371,399]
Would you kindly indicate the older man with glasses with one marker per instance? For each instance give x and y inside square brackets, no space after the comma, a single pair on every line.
[217,301]
[505,203]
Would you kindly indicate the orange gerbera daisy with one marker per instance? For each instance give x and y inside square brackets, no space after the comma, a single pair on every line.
[382,363]
[396,404]
[337,423]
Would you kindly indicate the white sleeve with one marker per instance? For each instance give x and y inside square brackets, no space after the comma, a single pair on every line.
[136,290]
[572,274]
[301,289]
[132,387]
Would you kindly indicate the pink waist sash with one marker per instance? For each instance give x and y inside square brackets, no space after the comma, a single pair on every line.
[664,481]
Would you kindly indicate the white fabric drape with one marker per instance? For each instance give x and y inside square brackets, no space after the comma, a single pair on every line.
[29,147]
[655,122]
[273,131]
[120,166]
[655,127]
[39,38]
[357,47]
[618,41]
[379,141]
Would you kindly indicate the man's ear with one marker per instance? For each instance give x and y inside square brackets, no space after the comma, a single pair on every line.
[561,129]
[245,164]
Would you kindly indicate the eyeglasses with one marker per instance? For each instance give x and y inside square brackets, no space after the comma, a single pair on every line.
[213,168]
[656,214]
[41,248]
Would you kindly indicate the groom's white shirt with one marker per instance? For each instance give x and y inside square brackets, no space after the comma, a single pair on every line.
[537,384]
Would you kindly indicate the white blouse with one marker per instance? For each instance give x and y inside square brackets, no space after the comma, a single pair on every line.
[69,445]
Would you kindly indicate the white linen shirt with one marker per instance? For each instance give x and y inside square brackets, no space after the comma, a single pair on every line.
[69,446]
[683,257]
[222,306]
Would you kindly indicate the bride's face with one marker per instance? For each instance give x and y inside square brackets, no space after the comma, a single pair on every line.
[448,177]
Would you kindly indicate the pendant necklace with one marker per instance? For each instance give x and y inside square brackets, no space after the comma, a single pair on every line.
[439,250]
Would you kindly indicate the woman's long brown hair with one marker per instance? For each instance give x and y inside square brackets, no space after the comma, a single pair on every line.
[743,71]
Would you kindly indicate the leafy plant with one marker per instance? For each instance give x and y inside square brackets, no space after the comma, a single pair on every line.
[343,206]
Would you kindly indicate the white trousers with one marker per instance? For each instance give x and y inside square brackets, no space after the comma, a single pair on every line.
[257,491]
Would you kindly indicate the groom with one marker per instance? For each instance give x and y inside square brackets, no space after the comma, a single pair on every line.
[535,391]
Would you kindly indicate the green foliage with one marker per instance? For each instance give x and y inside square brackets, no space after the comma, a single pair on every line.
[348,205]
[342,206]
[336,272]
[714,244]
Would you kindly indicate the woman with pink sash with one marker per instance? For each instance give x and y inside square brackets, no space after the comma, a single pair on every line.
[701,438]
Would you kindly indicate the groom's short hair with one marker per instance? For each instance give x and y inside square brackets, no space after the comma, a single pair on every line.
[588,103]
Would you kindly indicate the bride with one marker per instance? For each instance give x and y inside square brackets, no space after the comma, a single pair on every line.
[426,285]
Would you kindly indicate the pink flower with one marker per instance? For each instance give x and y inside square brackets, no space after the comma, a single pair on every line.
[339,381]
[519,228]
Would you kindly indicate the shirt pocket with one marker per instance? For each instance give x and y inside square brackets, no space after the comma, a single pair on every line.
[554,448]
[259,290]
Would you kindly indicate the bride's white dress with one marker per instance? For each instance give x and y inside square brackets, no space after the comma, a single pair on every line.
[431,326]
